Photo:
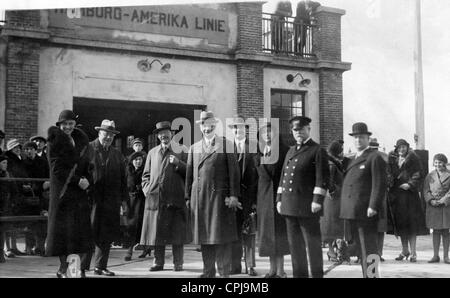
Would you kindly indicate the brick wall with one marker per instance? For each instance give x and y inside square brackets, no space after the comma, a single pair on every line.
[330,106]
[22,80]
[249,27]
[327,35]
[24,19]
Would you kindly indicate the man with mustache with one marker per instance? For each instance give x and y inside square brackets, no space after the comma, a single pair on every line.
[108,193]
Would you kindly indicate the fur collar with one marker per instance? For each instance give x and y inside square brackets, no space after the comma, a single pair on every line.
[58,138]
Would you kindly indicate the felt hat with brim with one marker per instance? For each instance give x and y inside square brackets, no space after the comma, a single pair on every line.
[109,126]
[401,142]
[66,115]
[11,144]
[38,138]
[237,121]
[163,125]
[30,145]
[206,116]
[360,128]
[373,142]
[299,122]
[135,155]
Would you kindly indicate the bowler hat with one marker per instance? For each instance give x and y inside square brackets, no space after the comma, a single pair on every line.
[66,115]
[206,116]
[162,126]
[11,144]
[136,141]
[237,121]
[299,122]
[108,125]
[35,138]
[30,145]
[360,128]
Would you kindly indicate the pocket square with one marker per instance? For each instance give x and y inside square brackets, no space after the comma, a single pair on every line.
[362,167]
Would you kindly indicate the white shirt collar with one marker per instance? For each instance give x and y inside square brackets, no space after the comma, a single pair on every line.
[359,153]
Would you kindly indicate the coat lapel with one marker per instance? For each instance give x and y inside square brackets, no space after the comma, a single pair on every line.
[359,160]
[207,153]
[444,176]
[303,148]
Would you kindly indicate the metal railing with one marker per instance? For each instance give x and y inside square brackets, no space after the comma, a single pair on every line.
[283,35]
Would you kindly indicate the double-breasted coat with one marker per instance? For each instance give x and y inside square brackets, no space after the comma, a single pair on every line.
[437,186]
[271,225]
[409,217]
[212,174]
[69,228]
[108,192]
[304,179]
[364,186]
[165,213]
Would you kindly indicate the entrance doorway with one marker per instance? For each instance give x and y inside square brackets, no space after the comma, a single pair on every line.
[134,119]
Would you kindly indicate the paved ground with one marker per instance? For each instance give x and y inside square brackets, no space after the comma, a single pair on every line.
[39,267]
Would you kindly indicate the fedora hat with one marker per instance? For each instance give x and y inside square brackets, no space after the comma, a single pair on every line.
[66,115]
[360,128]
[373,142]
[162,126]
[108,125]
[206,116]
[237,121]
[11,144]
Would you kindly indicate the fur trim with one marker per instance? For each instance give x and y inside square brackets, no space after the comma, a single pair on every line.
[59,141]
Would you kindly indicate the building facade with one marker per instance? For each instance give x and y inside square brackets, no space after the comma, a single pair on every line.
[141,65]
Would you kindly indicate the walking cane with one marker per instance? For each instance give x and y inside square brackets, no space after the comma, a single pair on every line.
[363,251]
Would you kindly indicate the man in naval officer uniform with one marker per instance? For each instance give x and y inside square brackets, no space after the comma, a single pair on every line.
[300,196]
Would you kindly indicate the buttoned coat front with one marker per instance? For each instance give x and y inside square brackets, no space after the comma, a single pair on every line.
[304,180]
[364,186]
[437,186]
[212,174]
[163,185]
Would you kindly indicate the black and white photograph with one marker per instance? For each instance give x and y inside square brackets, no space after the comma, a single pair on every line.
[201,139]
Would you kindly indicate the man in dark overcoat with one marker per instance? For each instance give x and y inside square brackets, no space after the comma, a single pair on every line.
[302,188]
[165,213]
[69,228]
[364,192]
[109,192]
[245,151]
[212,191]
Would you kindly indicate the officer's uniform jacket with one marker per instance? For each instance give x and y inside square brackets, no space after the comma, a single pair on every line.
[303,180]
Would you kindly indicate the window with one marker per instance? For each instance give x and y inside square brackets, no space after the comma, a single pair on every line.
[286,104]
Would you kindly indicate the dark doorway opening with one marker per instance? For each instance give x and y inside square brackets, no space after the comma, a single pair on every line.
[134,119]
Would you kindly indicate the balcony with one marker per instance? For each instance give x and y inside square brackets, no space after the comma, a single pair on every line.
[284,36]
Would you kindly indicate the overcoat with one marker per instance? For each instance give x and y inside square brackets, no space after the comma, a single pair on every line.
[212,175]
[108,192]
[437,185]
[271,225]
[69,229]
[165,213]
[409,217]
[135,203]
[364,186]
[304,179]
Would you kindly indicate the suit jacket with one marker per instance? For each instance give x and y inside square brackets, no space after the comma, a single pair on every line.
[212,174]
[248,177]
[304,179]
[365,185]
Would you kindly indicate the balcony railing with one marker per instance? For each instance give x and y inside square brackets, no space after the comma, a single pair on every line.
[282,35]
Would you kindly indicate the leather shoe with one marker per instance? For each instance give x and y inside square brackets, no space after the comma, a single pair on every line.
[157,268]
[178,268]
[252,272]
[434,259]
[204,275]
[60,274]
[270,275]
[18,252]
[104,272]
[446,260]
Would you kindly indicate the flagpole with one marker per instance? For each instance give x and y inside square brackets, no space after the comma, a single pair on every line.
[418,76]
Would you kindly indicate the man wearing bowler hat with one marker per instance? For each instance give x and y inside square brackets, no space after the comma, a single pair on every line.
[108,193]
[249,185]
[165,214]
[364,193]
[212,191]
[300,195]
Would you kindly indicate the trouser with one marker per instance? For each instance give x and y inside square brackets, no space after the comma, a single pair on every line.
[380,243]
[177,252]
[246,244]
[216,253]
[100,258]
[370,232]
[302,233]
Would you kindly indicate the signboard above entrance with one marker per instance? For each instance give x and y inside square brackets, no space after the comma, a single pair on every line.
[182,20]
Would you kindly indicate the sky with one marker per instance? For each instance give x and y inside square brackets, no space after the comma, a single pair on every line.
[378,39]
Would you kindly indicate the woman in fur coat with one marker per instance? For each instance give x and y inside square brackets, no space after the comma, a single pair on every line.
[69,229]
